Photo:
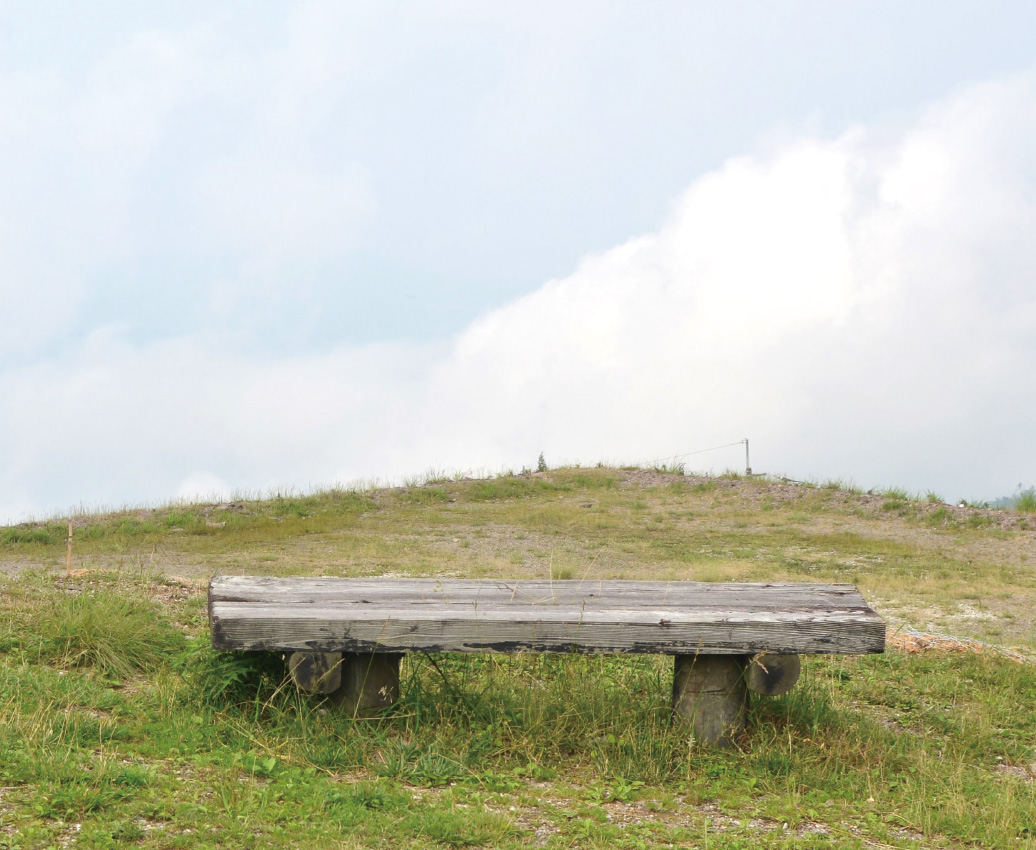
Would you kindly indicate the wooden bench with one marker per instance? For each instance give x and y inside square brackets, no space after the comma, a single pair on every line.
[346,636]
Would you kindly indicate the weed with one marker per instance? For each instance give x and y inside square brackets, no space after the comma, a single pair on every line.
[937,517]
[425,495]
[372,796]
[1025,502]
[223,679]
[455,829]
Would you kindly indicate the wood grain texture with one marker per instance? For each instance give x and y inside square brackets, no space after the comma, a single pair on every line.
[460,615]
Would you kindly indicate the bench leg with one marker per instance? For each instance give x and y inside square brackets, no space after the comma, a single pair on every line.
[709,694]
[316,672]
[370,683]
[772,674]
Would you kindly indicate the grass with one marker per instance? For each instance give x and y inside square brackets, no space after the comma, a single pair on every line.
[121,727]
[670,468]
[490,750]
[103,630]
[1025,503]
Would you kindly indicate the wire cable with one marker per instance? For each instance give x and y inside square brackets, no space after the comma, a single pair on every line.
[688,454]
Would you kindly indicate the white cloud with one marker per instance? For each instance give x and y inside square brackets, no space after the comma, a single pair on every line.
[861,307]
[130,98]
[271,213]
[168,151]
[72,148]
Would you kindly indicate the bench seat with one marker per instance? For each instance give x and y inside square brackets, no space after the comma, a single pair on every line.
[345,636]
[494,615]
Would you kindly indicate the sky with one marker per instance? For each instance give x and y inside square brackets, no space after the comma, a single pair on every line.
[248,246]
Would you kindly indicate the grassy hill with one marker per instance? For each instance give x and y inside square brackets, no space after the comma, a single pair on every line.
[122,728]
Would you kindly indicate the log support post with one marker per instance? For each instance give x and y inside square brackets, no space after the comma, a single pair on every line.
[362,684]
[370,683]
[772,674]
[710,695]
[316,672]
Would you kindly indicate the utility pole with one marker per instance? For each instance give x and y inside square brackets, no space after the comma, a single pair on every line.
[748,465]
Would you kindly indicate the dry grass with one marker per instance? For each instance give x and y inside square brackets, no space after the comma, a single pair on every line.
[923,565]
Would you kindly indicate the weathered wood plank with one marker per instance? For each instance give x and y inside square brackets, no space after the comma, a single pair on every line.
[616,594]
[442,615]
[715,638]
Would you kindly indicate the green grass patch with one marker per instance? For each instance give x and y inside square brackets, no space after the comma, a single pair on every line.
[46,534]
[897,494]
[122,727]
[114,633]
[504,487]
[216,749]
[494,751]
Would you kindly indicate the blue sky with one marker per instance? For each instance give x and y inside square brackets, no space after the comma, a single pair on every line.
[255,245]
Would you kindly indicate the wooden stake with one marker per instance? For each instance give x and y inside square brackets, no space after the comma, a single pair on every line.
[68,557]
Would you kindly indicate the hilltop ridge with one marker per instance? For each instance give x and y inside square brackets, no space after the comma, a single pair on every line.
[923,563]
